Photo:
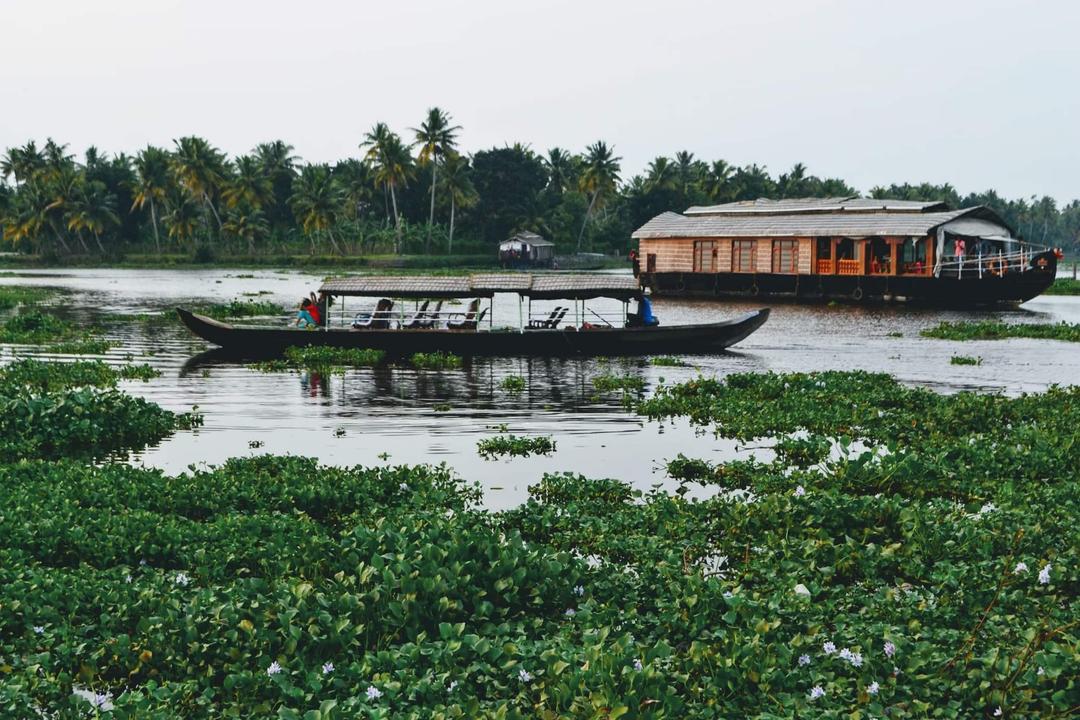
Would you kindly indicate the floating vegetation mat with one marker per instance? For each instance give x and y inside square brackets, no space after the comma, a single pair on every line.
[988,330]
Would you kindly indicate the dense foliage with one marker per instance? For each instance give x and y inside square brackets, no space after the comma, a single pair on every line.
[991,330]
[514,446]
[1064,286]
[397,196]
[323,359]
[38,376]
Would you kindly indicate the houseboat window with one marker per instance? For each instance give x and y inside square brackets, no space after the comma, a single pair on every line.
[705,256]
[785,256]
[650,262]
[824,248]
[913,256]
[880,256]
[742,255]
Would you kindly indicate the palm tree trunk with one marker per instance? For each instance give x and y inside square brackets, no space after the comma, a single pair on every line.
[431,213]
[59,237]
[153,220]
[206,198]
[450,243]
[585,222]
[97,238]
[82,241]
[333,242]
[397,222]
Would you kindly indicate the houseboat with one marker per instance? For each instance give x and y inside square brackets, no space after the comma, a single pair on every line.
[844,248]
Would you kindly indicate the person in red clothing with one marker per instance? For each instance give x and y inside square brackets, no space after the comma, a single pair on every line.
[315,310]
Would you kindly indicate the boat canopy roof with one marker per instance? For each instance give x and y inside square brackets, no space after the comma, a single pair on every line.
[547,286]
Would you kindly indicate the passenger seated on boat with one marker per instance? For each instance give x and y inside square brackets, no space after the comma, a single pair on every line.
[304,316]
[644,316]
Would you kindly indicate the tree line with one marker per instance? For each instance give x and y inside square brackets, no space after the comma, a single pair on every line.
[413,194]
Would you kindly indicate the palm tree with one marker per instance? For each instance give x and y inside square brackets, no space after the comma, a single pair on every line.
[151,184]
[201,168]
[22,163]
[393,166]
[598,180]
[686,170]
[316,201]
[249,185]
[181,214]
[435,138]
[279,165]
[562,169]
[717,181]
[247,223]
[457,184]
[94,210]
[661,174]
[66,187]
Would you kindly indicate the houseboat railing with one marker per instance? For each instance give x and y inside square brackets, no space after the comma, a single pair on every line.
[992,264]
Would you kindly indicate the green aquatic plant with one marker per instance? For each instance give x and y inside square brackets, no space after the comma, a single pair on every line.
[435,361]
[513,384]
[626,383]
[667,361]
[322,359]
[242,309]
[990,330]
[1064,286]
[33,327]
[14,295]
[39,376]
[965,360]
[514,446]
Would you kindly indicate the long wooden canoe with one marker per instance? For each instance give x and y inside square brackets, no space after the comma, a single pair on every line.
[674,339]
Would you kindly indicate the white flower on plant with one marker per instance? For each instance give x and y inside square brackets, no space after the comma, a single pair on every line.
[829,647]
[637,664]
[327,668]
[802,590]
[1040,671]
[987,508]
[997,712]
[451,686]
[39,629]
[890,649]
[579,590]
[403,487]
[804,660]
[800,491]
[845,654]
[373,693]
[127,578]
[274,668]
[1021,567]
[872,688]
[855,659]
[1044,575]
[524,675]
[728,594]
[142,563]
[182,579]
[594,561]
[816,692]
[570,612]
[102,700]
[895,671]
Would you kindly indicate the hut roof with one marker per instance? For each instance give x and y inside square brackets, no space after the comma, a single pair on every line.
[555,285]
[821,224]
[529,238]
[846,204]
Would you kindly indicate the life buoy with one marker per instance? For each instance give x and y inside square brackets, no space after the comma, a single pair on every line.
[996,267]
[857,294]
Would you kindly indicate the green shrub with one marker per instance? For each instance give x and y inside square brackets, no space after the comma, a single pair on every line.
[513,384]
[965,360]
[514,446]
[435,361]
[989,330]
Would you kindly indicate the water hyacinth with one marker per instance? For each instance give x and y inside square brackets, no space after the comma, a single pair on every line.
[39,629]
[829,647]
[1044,575]
[873,688]
[890,649]
[637,664]
[997,711]
[804,660]
[817,692]
[182,579]
[570,612]
[453,684]
[579,590]
[373,693]
[524,675]
[327,668]
[274,668]
[800,491]
[1021,567]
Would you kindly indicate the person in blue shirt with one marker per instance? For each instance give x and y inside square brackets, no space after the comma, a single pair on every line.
[644,316]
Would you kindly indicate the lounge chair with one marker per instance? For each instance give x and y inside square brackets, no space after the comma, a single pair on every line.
[554,321]
[416,320]
[379,319]
[469,318]
[432,318]
[545,322]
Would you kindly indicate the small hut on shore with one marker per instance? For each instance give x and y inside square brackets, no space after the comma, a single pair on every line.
[526,249]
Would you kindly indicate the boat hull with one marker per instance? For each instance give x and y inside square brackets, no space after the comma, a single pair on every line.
[676,339]
[969,289]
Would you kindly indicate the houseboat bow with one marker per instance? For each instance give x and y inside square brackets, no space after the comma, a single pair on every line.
[456,315]
[845,248]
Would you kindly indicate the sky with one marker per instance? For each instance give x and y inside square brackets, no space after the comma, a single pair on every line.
[981,94]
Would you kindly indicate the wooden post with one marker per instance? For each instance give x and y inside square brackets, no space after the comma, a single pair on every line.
[894,256]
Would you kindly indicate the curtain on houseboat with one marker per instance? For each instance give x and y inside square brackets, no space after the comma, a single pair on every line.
[973,228]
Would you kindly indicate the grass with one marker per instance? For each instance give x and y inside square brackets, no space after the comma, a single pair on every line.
[1064,286]
[990,330]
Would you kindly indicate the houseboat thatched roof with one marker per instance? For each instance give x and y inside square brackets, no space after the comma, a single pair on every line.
[555,286]
[847,204]
[822,221]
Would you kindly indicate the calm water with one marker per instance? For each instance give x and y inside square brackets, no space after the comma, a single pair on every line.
[387,415]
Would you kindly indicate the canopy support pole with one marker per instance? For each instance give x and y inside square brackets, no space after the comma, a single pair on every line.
[521,319]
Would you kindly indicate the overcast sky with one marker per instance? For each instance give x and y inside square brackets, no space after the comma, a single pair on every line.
[980,94]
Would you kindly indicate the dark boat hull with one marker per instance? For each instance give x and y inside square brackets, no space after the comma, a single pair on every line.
[676,339]
[968,290]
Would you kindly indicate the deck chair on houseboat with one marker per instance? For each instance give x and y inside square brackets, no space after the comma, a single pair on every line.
[416,320]
[431,319]
[379,319]
[545,322]
[468,317]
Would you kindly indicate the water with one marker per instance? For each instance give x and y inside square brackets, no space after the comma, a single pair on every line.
[388,415]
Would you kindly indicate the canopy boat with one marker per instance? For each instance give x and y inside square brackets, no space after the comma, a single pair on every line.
[469,330]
